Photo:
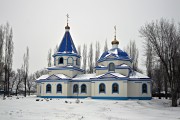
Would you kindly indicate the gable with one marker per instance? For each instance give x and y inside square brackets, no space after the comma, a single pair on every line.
[108,75]
[53,77]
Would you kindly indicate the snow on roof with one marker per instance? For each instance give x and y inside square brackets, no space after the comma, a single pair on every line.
[136,74]
[62,76]
[115,74]
[43,77]
[84,76]
[118,74]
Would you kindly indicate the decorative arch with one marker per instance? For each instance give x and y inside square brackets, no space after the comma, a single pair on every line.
[115,88]
[48,88]
[83,88]
[59,88]
[102,88]
[70,61]
[111,67]
[144,88]
[61,60]
[75,88]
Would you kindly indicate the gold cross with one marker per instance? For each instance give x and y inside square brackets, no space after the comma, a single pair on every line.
[115,31]
[67,18]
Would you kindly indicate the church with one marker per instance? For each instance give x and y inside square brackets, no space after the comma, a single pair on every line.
[114,77]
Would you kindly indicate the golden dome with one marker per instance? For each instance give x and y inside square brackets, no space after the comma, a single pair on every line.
[115,42]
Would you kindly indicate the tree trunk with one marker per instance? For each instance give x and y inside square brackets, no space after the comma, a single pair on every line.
[174,98]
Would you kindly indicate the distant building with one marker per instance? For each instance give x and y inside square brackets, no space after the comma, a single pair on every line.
[114,77]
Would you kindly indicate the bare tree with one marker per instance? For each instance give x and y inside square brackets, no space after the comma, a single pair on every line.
[30,83]
[1,53]
[90,58]
[84,57]
[133,52]
[49,58]
[25,69]
[97,54]
[164,38]
[8,56]
[105,46]
[79,52]
[19,80]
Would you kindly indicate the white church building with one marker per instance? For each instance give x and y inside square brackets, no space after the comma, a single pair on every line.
[114,77]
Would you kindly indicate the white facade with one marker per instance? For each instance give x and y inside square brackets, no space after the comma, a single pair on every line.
[114,77]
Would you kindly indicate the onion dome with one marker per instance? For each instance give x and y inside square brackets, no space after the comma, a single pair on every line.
[115,42]
[114,54]
[67,27]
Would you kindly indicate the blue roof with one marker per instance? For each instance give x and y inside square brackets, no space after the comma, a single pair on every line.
[114,54]
[67,44]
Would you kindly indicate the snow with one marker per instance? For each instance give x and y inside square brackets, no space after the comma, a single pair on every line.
[43,77]
[88,109]
[118,75]
[62,76]
[137,75]
[84,76]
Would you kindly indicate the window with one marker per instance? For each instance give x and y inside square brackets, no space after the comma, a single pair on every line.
[144,88]
[60,60]
[75,88]
[59,88]
[115,88]
[70,61]
[48,88]
[102,88]
[111,67]
[83,88]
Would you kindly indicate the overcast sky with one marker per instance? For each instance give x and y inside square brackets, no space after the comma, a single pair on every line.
[39,24]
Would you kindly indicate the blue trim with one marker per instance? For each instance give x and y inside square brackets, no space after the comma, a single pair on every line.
[97,97]
[68,59]
[65,68]
[117,88]
[64,96]
[122,98]
[104,88]
[66,54]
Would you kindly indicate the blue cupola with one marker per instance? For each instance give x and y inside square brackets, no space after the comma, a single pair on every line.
[67,44]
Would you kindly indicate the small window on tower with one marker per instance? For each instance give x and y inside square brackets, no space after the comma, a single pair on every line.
[60,60]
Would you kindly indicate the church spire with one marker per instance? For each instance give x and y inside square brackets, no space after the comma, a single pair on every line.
[115,43]
[67,27]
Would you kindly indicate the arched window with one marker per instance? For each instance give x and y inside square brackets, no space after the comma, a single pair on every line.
[48,88]
[75,88]
[60,60]
[83,88]
[102,88]
[115,88]
[144,88]
[111,67]
[70,61]
[59,88]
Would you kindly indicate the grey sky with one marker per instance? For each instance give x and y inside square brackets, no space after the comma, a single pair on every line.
[40,24]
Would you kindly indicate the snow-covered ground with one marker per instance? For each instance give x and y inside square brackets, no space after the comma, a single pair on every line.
[88,109]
